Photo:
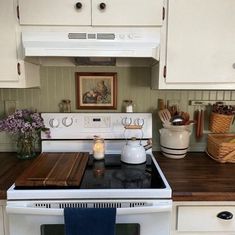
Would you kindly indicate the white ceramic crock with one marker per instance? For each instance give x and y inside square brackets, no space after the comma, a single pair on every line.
[133,152]
[174,141]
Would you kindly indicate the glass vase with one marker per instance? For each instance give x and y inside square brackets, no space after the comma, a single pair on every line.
[26,147]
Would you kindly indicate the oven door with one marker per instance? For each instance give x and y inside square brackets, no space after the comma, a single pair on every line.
[134,217]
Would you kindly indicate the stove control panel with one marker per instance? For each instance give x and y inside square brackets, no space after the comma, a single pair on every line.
[87,125]
[97,121]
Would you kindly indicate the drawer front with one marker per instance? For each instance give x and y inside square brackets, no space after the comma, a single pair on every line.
[204,218]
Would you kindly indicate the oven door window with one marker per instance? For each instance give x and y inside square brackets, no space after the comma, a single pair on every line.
[121,229]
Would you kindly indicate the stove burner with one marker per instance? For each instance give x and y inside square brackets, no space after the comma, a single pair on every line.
[133,176]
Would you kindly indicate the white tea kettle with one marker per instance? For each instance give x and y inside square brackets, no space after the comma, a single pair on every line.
[133,152]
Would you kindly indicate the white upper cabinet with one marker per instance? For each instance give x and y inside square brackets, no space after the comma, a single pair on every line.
[14,73]
[91,12]
[55,12]
[8,65]
[199,52]
[127,12]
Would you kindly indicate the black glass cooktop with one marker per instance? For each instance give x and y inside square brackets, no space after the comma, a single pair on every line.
[111,173]
[114,174]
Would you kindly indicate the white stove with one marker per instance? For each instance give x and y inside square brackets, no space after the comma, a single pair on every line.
[140,192]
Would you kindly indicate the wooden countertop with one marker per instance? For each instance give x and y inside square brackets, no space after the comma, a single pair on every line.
[10,168]
[198,178]
[193,178]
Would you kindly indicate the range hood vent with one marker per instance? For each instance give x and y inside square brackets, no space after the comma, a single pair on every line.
[139,44]
[95,61]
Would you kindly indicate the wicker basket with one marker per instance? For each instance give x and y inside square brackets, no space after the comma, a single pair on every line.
[221,147]
[220,123]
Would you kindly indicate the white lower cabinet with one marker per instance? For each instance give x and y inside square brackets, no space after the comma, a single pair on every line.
[207,218]
[3,219]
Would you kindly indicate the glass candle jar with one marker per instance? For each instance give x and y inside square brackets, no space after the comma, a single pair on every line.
[98,148]
[129,106]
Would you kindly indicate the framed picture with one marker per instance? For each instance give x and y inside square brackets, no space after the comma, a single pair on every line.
[96,90]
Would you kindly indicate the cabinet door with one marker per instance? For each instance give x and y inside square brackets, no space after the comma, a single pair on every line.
[8,62]
[14,73]
[127,12]
[200,43]
[55,12]
[205,219]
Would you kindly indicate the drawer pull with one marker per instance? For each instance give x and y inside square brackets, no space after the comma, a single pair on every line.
[225,215]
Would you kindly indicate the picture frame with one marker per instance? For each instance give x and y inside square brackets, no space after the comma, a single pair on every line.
[96,90]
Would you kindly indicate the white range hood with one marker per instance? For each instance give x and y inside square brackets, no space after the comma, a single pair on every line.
[140,43]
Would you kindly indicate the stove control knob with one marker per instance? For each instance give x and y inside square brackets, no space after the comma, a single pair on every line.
[54,123]
[67,121]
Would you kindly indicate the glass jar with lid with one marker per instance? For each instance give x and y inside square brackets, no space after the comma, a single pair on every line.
[129,106]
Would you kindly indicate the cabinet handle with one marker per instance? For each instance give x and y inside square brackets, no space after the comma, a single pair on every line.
[78,5]
[102,6]
[225,215]
[18,69]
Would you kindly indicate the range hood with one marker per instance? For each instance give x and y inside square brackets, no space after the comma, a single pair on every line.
[141,43]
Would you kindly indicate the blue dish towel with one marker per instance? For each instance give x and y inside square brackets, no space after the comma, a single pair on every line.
[90,221]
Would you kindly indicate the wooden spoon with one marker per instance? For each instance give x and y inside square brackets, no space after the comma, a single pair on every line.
[165,116]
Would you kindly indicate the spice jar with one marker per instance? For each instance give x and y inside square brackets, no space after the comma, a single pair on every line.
[65,106]
[98,148]
[128,106]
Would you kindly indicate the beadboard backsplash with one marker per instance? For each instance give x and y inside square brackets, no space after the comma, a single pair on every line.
[58,83]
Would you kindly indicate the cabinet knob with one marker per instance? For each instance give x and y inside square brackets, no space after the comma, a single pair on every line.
[78,5]
[225,215]
[102,6]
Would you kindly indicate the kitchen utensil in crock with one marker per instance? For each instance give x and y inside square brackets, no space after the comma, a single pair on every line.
[133,152]
[177,120]
[165,116]
[185,116]
[161,104]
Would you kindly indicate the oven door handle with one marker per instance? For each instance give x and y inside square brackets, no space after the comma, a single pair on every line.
[120,211]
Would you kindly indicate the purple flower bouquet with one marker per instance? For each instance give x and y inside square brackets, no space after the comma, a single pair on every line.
[26,125]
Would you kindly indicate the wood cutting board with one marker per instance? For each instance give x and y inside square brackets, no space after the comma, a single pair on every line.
[54,169]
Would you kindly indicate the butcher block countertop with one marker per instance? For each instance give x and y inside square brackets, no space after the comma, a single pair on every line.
[10,168]
[193,178]
[197,177]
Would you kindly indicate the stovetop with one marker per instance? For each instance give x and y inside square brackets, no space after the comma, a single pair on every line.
[109,178]
[111,173]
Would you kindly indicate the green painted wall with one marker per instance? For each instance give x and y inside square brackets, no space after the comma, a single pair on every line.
[58,83]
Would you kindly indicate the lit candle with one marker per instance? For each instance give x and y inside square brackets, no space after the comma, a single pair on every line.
[98,149]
